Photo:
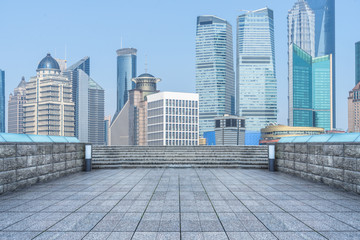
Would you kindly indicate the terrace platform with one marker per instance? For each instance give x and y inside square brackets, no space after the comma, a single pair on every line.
[180,203]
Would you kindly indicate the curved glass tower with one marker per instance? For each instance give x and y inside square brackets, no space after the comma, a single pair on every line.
[256,85]
[126,71]
[214,70]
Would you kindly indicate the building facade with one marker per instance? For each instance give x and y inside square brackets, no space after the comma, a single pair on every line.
[357,62]
[2,101]
[16,108]
[230,130]
[273,133]
[129,127]
[301,27]
[256,85]
[49,109]
[126,71]
[354,109]
[215,79]
[173,119]
[310,90]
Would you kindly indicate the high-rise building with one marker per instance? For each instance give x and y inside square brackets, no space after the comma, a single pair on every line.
[230,130]
[126,71]
[88,97]
[173,119]
[16,108]
[357,62]
[310,90]
[62,64]
[256,85]
[107,121]
[320,35]
[354,109]
[215,79]
[2,101]
[49,109]
[129,127]
[301,27]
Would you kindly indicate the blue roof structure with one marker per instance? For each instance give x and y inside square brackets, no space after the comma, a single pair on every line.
[48,62]
[13,137]
[324,138]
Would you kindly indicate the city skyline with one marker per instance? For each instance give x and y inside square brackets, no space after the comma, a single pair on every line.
[158,64]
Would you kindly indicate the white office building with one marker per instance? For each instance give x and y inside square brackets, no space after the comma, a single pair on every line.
[173,119]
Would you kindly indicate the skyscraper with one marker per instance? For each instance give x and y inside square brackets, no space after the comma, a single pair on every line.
[310,90]
[88,97]
[126,71]
[49,109]
[2,101]
[16,108]
[301,27]
[354,109]
[357,62]
[215,81]
[256,84]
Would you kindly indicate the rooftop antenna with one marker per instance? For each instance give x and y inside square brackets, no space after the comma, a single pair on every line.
[146,64]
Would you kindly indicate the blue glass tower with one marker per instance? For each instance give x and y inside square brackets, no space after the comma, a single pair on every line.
[126,71]
[357,63]
[325,36]
[256,85]
[310,89]
[215,78]
[2,101]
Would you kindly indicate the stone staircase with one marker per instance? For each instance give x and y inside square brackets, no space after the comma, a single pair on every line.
[179,156]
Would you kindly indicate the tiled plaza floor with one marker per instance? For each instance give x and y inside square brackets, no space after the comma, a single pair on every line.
[212,204]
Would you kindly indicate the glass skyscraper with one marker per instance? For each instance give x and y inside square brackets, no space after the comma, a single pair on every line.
[215,78]
[126,71]
[357,63]
[310,89]
[2,101]
[256,85]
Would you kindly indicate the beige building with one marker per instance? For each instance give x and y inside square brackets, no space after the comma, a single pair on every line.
[15,108]
[49,109]
[354,109]
[129,126]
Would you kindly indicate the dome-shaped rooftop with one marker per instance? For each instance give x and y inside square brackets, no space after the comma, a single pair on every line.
[48,62]
[146,75]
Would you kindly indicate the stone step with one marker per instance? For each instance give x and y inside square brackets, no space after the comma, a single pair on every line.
[179,156]
[181,162]
[180,166]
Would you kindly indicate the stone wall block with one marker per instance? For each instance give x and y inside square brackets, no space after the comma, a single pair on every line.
[70,164]
[316,149]
[40,160]
[7,151]
[334,150]
[80,155]
[328,161]
[289,147]
[26,150]
[25,173]
[280,163]
[21,162]
[301,148]
[31,161]
[299,166]
[352,177]
[80,148]
[334,173]
[302,158]
[315,169]
[7,177]
[352,151]
[358,164]
[58,148]
[71,147]
[61,157]
[60,166]
[291,156]
[44,169]
[1,164]
[315,159]
[289,164]
[350,164]
[45,149]
[9,164]
[279,147]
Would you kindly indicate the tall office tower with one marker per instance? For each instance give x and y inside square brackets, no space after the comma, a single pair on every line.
[126,71]
[301,27]
[107,121]
[173,119]
[310,90]
[16,108]
[215,79]
[354,109]
[2,101]
[357,62]
[323,33]
[96,95]
[62,64]
[72,73]
[256,84]
[49,109]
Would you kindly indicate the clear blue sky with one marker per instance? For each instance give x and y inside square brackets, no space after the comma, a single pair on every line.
[162,30]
